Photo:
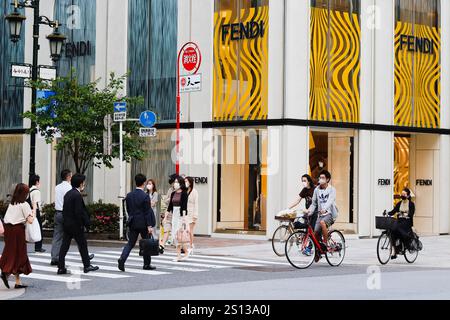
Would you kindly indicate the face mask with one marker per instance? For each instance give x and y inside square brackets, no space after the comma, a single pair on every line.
[176,186]
[404,198]
[321,164]
[305,184]
[322,181]
[188,184]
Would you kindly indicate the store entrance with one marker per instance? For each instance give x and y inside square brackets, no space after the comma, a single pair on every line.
[242,183]
[334,151]
[416,166]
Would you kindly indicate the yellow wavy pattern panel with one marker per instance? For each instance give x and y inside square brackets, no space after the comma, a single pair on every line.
[335,66]
[417,79]
[241,69]
[401,164]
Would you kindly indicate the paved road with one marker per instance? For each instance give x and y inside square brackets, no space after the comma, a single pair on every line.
[243,272]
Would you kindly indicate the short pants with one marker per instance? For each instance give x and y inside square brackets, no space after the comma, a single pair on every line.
[328,219]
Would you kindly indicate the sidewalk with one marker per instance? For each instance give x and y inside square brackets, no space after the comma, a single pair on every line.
[435,254]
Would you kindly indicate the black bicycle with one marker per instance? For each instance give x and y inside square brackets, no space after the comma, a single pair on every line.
[386,245]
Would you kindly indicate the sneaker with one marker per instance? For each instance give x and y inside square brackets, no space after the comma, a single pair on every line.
[40,250]
[317,257]
[307,252]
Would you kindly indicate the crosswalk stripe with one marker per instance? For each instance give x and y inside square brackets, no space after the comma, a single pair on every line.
[204,265]
[66,279]
[80,272]
[195,259]
[102,267]
[159,267]
[244,260]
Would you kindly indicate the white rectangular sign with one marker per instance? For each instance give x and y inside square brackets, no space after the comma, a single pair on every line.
[120,116]
[21,71]
[147,132]
[191,83]
[47,73]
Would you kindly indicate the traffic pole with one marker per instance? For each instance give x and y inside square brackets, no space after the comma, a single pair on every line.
[121,178]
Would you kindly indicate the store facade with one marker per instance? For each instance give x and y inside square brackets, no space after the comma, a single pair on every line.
[288,87]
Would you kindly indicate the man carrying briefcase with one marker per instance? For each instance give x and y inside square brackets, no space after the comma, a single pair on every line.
[141,221]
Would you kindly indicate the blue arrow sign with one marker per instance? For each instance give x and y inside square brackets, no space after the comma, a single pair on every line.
[120,107]
[147,119]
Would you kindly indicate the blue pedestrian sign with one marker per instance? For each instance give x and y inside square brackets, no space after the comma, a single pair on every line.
[120,107]
[147,119]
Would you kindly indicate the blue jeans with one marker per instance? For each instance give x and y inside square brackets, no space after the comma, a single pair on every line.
[133,236]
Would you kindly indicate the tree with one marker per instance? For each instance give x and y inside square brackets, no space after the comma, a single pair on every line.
[78,112]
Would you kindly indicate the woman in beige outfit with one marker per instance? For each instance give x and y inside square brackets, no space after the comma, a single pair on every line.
[192,209]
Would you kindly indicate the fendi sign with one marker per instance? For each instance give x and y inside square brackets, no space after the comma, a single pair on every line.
[239,31]
[416,44]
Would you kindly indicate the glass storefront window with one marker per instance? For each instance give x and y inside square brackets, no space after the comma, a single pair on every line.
[152,56]
[11,90]
[241,30]
[417,63]
[10,163]
[241,181]
[335,60]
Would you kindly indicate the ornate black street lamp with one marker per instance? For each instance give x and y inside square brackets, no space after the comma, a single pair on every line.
[56,39]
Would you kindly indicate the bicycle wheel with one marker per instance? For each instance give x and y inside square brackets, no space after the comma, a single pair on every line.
[300,250]
[384,248]
[336,252]
[411,255]
[279,238]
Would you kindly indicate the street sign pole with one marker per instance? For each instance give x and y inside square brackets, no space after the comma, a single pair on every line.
[121,179]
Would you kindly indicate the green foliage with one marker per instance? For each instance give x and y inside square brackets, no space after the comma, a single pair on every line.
[79,112]
[104,217]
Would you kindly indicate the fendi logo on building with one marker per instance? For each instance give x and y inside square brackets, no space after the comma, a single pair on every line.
[77,49]
[424,182]
[239,31]
[416,44]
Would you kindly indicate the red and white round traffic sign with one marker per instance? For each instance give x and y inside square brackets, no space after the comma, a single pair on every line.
[191,57]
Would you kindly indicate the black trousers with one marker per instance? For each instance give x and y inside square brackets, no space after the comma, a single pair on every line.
[80,239]
[38,245]
[132,239]
[402,232]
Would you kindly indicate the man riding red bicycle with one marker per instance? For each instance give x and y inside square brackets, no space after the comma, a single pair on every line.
[324,201]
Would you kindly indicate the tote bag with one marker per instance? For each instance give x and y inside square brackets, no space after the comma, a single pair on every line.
[183,234]
[33,232]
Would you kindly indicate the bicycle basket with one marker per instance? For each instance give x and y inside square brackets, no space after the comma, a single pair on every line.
[385,223]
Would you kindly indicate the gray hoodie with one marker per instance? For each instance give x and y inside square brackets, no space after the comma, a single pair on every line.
[325,199]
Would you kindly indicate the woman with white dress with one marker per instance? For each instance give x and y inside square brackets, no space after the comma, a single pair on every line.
[192,209]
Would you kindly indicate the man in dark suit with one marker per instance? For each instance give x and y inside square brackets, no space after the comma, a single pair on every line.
[141,219]
[76,219]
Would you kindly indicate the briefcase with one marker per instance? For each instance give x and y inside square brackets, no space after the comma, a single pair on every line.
[149,247]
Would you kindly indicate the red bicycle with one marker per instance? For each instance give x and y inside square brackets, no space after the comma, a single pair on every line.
[302,246]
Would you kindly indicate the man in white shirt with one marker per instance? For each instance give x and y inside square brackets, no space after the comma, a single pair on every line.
[35,202]
[60,191]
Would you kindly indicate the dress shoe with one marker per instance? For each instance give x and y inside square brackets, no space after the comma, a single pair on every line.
[150,267]
[121,265]
[161,249]
[40,250]
[91,256]
[20,286]
[63,271]
[54,263]
[5,280]
[90,269]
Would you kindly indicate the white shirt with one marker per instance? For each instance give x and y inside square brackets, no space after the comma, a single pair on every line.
[35,196]
[17,214]
[60,191]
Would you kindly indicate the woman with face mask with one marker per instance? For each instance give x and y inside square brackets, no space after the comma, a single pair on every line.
[150,187]
[178,208]
[404,211]
[192,209]
[306,193]
[166,217]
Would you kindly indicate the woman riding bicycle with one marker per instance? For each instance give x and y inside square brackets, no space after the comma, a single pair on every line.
[307,194]
[405,212]
[324,201]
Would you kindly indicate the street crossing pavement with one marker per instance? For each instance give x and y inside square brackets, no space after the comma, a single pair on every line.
[107,261]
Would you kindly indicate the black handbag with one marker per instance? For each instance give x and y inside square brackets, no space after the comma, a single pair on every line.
[149,247]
